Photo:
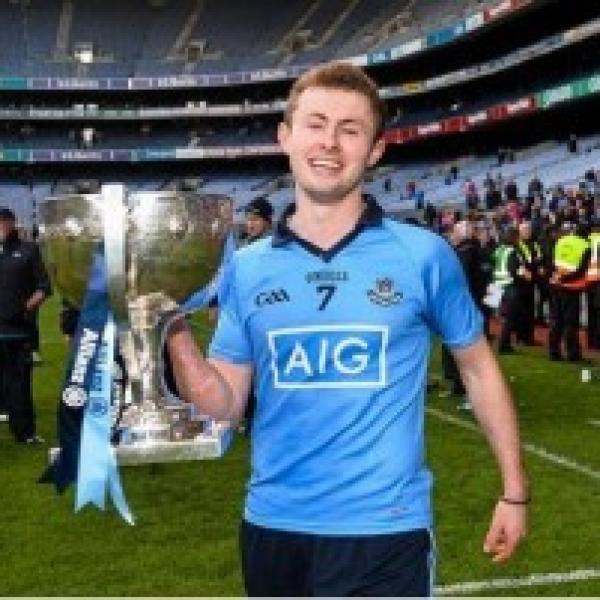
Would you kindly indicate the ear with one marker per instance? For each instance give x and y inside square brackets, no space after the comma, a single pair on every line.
[376,152]
[283,135]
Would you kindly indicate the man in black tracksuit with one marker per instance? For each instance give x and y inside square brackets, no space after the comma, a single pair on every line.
[24,285]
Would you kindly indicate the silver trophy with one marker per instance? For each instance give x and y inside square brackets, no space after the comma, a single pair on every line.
[159,248]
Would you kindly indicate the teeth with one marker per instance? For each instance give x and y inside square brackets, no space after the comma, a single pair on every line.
[331,164]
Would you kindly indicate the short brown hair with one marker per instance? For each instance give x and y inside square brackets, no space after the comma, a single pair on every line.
[341,76]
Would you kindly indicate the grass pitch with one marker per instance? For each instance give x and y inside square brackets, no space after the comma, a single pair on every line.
[185,539]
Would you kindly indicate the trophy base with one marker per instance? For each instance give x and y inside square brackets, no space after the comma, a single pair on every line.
[202,447]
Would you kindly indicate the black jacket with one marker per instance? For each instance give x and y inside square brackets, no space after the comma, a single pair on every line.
[470,256]
[22,273]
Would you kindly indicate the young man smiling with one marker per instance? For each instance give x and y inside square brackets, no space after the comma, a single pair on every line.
[331,318]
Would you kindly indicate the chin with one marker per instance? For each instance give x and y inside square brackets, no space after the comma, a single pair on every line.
[325,196]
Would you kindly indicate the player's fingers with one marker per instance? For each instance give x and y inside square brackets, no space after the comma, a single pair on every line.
[493,539]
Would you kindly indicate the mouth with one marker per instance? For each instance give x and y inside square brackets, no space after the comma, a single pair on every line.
[325,166]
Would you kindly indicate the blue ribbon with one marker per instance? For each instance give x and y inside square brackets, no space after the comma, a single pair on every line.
[84,421]
[98,471]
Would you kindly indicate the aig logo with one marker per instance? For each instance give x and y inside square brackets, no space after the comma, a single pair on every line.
[272,297]
[329,356]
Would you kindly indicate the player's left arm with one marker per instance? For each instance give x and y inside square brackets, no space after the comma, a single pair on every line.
[494,409]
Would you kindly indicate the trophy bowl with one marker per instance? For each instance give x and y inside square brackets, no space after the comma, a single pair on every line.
[159,248]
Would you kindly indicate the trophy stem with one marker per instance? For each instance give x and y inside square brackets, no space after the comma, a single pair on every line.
[148,419]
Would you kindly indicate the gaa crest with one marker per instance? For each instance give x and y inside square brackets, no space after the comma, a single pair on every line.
[384,293]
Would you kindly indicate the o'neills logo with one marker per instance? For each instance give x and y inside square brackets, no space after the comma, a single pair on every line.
[87,347]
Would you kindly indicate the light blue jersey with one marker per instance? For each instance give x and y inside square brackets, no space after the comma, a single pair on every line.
[340,343]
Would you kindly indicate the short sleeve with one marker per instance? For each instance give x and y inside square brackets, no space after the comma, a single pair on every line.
[451,310]
[230,341]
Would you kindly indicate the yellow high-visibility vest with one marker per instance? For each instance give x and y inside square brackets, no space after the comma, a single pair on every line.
[568,253]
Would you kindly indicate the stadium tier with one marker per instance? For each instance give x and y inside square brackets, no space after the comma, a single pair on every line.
[45,37]
[460,80]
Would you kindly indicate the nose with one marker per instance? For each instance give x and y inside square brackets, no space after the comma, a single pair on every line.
[330,137]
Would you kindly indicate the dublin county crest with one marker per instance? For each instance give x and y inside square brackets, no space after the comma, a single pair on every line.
[384,293]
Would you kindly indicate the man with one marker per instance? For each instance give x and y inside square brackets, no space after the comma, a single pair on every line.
[259,214]
[529,273]
[332,317]
[511,191]
[487,248]
[24,285]
[569,279]
[469,254]
[506,266]
[471,194]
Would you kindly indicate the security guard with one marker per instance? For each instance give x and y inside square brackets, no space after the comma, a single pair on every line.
[593,290]
[530,255]
[24,285]
[507,263]
[568,281]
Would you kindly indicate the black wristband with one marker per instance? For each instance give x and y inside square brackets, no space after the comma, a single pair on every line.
[516,502]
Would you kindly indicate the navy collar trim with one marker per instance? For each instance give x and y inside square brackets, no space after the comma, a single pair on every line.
[372,216]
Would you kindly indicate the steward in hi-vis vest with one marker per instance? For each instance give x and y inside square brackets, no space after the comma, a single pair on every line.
[571,261]
[507,264]
[530,255]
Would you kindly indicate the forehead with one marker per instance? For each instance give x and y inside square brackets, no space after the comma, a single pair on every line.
[334,104]
[254,217]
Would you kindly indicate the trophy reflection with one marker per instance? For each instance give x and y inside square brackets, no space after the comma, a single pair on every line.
[159,248]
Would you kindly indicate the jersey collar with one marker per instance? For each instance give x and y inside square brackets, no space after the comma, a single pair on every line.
[372,216]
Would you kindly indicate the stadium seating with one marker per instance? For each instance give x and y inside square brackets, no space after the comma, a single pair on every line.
[139,37]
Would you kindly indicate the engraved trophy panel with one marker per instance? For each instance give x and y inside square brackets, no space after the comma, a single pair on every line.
[159,248]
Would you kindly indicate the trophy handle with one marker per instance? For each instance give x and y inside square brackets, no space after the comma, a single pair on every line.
[114,217]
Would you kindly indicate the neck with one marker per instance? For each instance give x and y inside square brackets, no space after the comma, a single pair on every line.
[326,224]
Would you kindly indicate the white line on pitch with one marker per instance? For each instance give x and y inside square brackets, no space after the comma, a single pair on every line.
[594,423]
[516,582]
[556,459]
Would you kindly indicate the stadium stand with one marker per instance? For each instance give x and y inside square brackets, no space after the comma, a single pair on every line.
[208,36]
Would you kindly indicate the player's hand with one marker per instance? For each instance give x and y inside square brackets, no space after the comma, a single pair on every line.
[507,529]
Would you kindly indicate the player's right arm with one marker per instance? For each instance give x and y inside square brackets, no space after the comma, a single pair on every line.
[217,388]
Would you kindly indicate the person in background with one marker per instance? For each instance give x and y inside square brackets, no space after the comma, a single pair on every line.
[571,261]
[530,259]
[506,266]
[24,285]
[468,250]
[487,248]
[259,215]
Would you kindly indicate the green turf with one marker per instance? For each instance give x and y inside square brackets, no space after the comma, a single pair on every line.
[185,539]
